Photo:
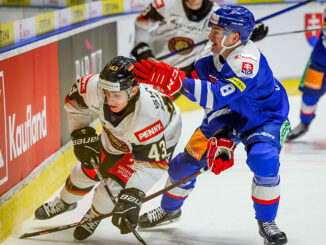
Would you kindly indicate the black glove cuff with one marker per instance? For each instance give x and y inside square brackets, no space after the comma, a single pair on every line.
[142,51]
[83,132]
[132,196]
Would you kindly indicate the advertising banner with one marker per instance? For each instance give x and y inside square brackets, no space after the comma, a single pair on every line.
[6,34]
[44,23]
[80,55]
[29,113]
[112,7]
[24,29]
[78,13]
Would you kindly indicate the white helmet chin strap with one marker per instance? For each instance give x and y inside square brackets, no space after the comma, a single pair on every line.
[227,47]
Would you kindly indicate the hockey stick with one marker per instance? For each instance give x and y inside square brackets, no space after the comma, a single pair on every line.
[257,21]
[150,197]
[183,49]
[130,227]
[293,32]
[284,10]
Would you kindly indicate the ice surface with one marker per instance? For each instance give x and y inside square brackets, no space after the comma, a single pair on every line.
[219,210]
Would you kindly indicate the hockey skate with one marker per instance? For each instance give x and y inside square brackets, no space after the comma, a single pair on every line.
[84,231]
[298,131]
[158,217]
[271,233]
[53,208]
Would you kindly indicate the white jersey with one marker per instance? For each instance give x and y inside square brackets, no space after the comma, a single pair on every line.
[164,25]
[149,127]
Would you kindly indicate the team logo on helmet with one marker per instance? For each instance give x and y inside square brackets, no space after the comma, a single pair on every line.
[114,68]
[214,19]
[177,43]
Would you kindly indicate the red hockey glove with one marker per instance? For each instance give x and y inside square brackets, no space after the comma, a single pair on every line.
[168,79]
[220,154]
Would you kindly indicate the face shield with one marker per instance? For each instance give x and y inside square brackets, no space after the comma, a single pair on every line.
[112,93]
[222,22]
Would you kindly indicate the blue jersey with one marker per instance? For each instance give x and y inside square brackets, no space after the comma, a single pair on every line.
[243,84]
[319,52]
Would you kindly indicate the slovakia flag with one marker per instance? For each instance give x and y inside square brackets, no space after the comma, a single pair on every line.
[247,68]
[313,21]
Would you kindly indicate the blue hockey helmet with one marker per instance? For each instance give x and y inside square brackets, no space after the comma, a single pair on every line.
[234,18]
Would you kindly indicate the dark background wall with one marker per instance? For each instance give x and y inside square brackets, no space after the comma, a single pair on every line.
[80,55]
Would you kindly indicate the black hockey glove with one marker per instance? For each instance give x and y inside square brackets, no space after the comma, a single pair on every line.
[259,32]
[86,146]
[128,206]
[142,51]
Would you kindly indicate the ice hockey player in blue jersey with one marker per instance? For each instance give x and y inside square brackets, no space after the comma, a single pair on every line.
[313,85]
[243,102]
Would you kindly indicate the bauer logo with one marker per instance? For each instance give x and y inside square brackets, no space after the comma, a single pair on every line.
[313,21]
[3,134]
[150,132]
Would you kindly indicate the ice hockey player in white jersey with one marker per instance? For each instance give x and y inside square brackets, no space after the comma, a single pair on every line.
[169,25]
[141,128]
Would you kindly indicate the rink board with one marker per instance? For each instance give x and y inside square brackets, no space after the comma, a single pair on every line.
[23,203]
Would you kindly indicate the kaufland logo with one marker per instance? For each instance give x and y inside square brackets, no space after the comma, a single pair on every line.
[150,132]
[24,134]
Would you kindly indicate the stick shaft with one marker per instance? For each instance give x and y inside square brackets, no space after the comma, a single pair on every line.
[257,21]
[150,197]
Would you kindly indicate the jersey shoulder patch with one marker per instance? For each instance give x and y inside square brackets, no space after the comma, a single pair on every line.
[244,62]
[83,83]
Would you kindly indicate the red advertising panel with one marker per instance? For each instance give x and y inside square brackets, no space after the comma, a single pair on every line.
[29,113]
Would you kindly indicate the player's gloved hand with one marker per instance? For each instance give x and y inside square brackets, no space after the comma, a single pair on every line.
[220,154]
[128,206]
[142,51]
[260,31]
[159,74]
[86,146]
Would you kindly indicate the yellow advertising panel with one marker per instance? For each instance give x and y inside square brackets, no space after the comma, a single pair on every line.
[75,2]
[78,13]
[259,1]
[16,2]
[44,23]
[7,34]
[112,7]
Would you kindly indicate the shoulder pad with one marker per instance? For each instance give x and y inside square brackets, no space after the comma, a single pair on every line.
[85,80]
[244,61]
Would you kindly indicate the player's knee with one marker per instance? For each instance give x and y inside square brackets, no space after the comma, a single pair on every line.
[309,100]
[101,200]
[263,159]
[79,178]
[181,166]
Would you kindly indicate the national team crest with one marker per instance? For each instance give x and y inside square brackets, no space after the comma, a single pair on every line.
[177,43]
[313,21]
[247,68]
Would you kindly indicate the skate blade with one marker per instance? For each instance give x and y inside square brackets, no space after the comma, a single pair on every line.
[266,242]
[169,222]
